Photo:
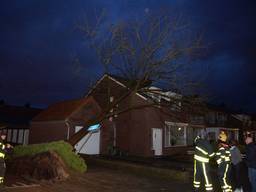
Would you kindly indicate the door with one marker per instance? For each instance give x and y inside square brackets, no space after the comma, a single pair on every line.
[157,143]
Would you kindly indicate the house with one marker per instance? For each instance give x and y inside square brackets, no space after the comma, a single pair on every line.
[144,129]
[61,120]
[253,126]
[14,121]
[249,123]
[217,118]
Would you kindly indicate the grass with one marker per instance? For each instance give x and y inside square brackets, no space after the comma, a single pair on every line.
[64,149]
[141,170]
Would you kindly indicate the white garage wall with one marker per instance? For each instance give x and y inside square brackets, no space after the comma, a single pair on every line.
[90,144]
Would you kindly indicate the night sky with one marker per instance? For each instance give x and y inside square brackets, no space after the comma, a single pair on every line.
[38,43]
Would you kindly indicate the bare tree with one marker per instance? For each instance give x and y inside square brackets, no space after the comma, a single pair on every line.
[155,51]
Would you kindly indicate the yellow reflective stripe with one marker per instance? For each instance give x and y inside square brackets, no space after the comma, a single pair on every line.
[201,159]
[200,149]
[212,155]
[205,175]
[197,137]
[208,186]
[218,153]
[194,171]
[196,183]
[227,151]
[2,155]
[224,178]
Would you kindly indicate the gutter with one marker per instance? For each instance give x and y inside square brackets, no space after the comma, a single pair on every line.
[68,131]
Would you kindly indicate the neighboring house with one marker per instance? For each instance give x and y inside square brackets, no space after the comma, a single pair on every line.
[61,120]
[219,118]
[253,122]
[248,123]
[14,121]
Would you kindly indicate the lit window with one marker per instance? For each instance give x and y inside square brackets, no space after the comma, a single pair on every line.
[175,134]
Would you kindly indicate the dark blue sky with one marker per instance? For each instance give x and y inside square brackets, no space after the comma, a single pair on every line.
[38,42]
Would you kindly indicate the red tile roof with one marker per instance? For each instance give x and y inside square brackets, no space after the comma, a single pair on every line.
[62,110]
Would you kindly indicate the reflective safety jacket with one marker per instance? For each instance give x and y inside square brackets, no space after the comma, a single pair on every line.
[203,150]
[223,155]
[2,149]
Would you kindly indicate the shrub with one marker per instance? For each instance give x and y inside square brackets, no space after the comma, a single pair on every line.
[64,149]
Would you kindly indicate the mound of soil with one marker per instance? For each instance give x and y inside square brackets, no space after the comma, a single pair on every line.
[43,166]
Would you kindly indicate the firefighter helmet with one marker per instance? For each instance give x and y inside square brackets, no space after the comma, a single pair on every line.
[223,136]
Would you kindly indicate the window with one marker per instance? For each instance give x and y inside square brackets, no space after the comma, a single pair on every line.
[20,136]
[9,134]
[26,136]
[233,134]
[221,118]
[14,136]
[175,134]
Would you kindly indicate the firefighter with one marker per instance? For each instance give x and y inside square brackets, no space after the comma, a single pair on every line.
[3,149]
[2,155]
[203,153]
[223,160]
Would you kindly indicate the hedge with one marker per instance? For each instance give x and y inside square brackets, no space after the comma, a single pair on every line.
[64,149]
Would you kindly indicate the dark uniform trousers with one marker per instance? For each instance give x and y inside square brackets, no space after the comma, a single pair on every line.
[201,172]
[223,161]
[2,163]
[2,170]
[203,153]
